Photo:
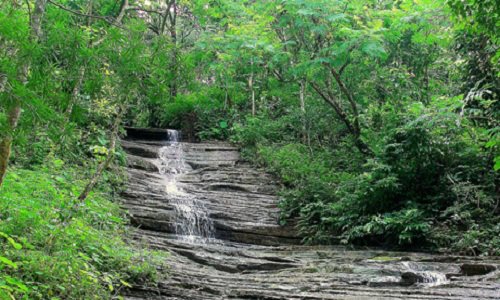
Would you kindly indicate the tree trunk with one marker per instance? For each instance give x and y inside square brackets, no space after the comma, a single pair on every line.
[114,133]
[5,144]
[74,94]
[350,99]
[305,135]
[105,163]
[360,144]
[173,36]
[226,98]
[81,72]
[353,129]
[36,19]
[3,82]
[250,85]
[14,112]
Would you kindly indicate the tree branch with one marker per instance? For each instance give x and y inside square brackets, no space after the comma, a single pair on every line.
[105,163]
[336,106]
[278,75]
[349,96]
[353,128]
[121,14]
[150,11]
[104,18]
[342,68]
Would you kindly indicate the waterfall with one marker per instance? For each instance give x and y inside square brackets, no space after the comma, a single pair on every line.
[192,222]
[424,277]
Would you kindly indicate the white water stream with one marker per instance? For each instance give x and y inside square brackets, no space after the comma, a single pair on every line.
[192,222]
[429,278]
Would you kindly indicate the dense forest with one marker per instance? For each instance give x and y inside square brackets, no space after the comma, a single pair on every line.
[380,118]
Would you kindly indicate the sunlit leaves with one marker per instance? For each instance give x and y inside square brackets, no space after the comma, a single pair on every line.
[11,241]
[479,15]
[374,48]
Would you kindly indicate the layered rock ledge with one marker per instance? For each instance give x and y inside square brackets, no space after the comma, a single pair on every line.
[253,257]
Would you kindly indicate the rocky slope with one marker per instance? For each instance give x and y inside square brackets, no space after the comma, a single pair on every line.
[250,256]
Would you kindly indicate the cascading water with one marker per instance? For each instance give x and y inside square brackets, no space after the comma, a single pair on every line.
[427,278]
[191,219]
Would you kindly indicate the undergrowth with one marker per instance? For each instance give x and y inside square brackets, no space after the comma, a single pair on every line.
[429,184]
[54,247]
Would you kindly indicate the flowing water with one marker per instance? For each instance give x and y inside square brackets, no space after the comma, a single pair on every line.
[426,276]
[192,222]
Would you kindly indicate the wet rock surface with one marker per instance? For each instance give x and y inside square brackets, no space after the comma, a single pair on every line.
[252,257]
[471,269]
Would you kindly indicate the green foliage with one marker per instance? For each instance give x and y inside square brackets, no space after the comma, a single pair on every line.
[47,255]
[53,246]
[175,112]
[310,175]
[427,108]
[380,118]
[483,15]
[427,182]
[199,115]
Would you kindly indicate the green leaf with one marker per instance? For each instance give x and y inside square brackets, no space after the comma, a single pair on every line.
[60,179]
[6,288]
[58,163]
[337,17]
[8,262]
[305,12]
[490,144]
[17,283]
[374,49]
[84,256]
[14,244]
[125,283]
[102,140]
[223,124]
